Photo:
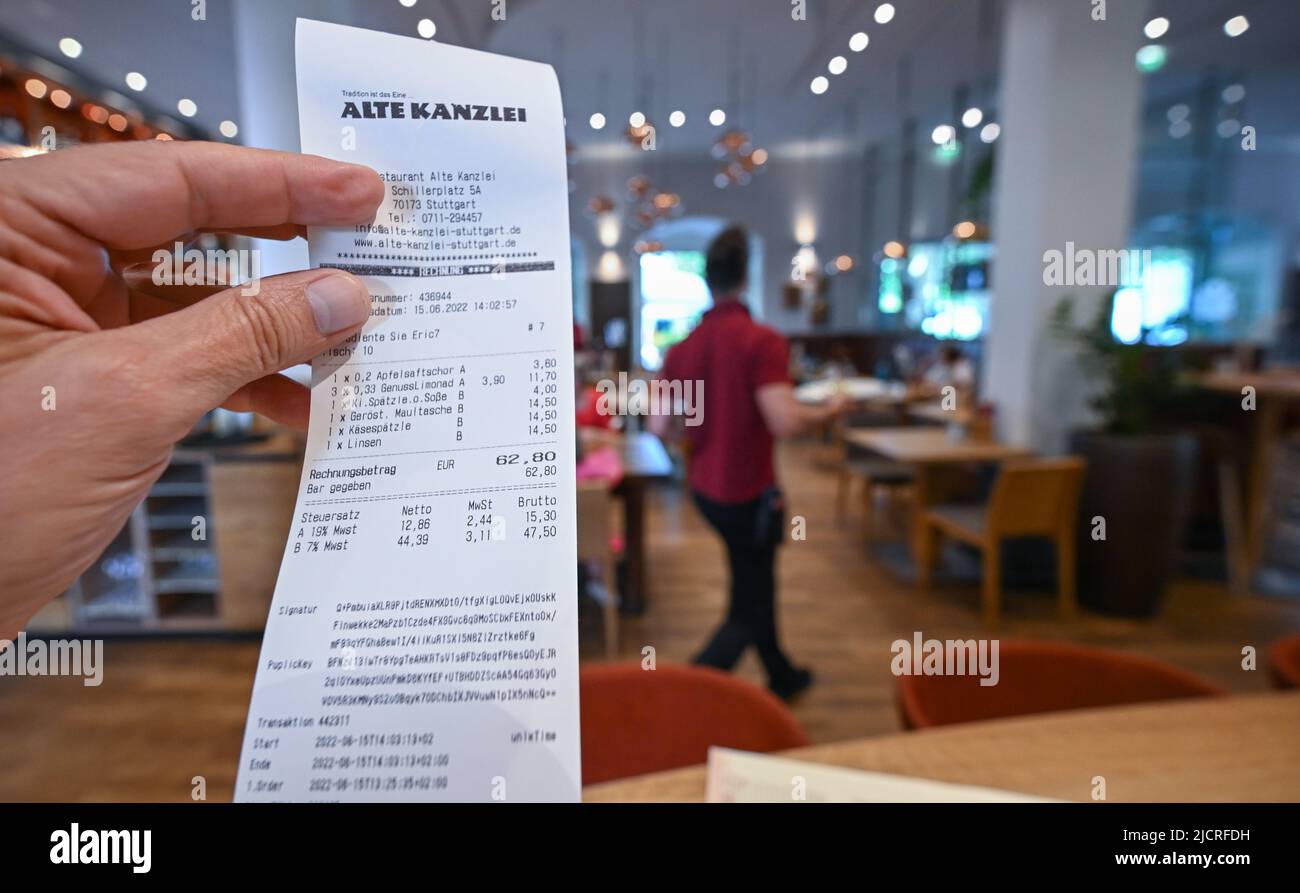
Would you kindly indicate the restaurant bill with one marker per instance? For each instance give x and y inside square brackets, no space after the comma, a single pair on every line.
[422,640]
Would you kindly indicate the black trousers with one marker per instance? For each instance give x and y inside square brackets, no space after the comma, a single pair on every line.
[751,616]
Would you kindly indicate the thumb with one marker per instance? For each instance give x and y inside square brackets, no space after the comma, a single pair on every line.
[213,348]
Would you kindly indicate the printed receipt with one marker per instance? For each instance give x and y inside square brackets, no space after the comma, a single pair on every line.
[422,642]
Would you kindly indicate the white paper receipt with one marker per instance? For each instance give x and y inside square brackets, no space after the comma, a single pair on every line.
[422,642]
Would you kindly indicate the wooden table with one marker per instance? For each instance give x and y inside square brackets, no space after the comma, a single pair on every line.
[1239,747]
[927,450]
[932,412]
[644,460]
[1273,390]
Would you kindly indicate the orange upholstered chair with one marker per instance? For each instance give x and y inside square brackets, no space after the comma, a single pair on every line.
[1284,662]
[636,721]
[1040,677]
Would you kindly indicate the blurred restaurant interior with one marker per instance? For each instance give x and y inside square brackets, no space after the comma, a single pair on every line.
[1048,262]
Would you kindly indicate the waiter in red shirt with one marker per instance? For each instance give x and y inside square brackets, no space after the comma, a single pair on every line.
[743,367]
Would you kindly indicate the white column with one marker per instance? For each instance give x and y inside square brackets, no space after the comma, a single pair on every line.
[1066,168]
[268,93]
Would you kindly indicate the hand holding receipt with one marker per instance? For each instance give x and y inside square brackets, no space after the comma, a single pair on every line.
[422,643]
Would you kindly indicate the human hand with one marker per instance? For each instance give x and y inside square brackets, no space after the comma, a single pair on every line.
[836,405]
[100,375]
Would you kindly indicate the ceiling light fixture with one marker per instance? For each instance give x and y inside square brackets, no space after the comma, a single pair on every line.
[717,117]
[837,65]
[858,42]
[136,81]
[426,29]
[1236,26]
[1156,28]
[597,121]
[885,13]
[972,117]
[70,47]
[819,84]
[677,118]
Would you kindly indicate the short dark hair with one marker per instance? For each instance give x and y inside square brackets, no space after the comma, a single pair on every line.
[727,262]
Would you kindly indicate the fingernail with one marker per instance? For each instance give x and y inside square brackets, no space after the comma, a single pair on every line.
[338,302]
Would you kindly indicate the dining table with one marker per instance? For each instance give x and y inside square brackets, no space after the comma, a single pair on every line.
[1241,747]
[930,450]
[642,460]
[1272,391]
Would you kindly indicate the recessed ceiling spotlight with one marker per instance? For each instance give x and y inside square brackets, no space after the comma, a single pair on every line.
[597,121]
[972,117]
[1180,129]
[36,88]
[1229,127]
[837,65]
[819,84]
[885,13]
[1156,27]
[136,81]
[426,29]
[944,133]
[1236,26]
[858,42]
[1178,113]
[61,98]
[677,118]
[70,47]
[717,117]
[187,107]
[229,129]
[989,132]
[407,3]
[636,119]
[1234,93]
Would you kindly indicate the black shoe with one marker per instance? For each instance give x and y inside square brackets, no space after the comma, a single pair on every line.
[790,687]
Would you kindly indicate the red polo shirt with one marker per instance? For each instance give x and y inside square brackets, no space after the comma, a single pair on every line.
[731,456]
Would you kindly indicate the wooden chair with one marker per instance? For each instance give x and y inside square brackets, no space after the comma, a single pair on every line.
[873,472]
[1032,497]
[595,531]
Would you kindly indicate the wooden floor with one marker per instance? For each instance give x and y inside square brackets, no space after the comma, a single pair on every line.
[171,711]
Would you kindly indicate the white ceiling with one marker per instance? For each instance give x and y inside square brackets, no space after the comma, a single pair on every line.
[616,56]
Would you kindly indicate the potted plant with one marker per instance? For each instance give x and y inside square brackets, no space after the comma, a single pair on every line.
[1137,490]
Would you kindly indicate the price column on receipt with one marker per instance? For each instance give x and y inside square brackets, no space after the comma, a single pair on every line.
[422,640]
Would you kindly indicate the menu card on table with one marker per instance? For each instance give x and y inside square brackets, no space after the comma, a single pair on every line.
[422,641]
